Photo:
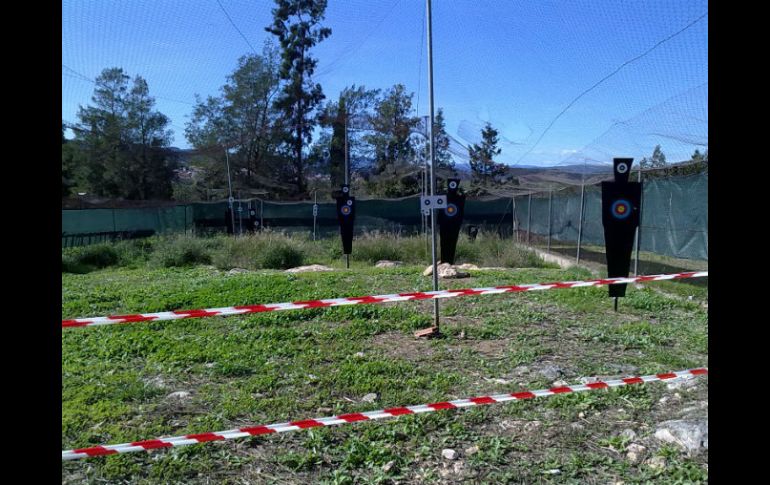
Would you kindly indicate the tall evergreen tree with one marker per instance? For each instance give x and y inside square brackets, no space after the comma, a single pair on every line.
[296,25]
[392,128]
[483,166]
[124,140]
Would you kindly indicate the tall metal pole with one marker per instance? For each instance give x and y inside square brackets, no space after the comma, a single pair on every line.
[513,219]
[432,164]
[639,228]
[529,217]
[347,162]
[550,200]
[580,221]
[347,174]
[315,204]
[230,189]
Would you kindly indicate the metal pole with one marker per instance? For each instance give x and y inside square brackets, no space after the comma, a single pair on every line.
[580,221]
[261,215]
[639,228]
[432,164]
[513,219]
[315,204]
[529,218]
[240,213]
[550,199]
[347,163]
[230,188]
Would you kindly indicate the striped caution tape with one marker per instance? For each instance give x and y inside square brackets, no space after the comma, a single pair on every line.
[362,300]
[246,432]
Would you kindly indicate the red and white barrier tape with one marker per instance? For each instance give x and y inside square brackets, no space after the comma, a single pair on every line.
[360,300]
[191,439]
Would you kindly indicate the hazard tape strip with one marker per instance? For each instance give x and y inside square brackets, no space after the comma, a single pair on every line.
[362,300]
[246,432]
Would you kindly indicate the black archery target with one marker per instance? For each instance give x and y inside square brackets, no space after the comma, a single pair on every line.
[345,216]
[450,220]
[620,217]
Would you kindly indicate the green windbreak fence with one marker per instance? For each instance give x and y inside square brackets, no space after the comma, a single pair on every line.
[674,217]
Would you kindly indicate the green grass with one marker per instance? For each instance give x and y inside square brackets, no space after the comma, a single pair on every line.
[272,367]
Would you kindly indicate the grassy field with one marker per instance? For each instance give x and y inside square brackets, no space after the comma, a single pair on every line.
[266,368]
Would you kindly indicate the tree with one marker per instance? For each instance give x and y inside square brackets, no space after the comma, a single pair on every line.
[243,119]
[346,117]
[483,166]
[443,157]
[124,140]
[295,23]
[68,163]
[657,160]
[698,156]
[392,126]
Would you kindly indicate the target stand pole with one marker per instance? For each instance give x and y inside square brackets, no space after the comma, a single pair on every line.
[616,303]
[433,331]
[347,261]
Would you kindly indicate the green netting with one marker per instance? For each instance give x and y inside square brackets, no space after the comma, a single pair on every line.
[674,217]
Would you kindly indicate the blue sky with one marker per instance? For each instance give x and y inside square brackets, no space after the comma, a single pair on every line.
[516,64]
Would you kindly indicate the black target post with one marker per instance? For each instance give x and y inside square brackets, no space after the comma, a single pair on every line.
[620,217]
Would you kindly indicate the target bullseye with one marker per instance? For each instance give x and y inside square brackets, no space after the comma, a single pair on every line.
[621,209]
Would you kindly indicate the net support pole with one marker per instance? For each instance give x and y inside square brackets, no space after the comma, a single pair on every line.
[580,221]
[513,218]
[432,162]
[639,227]
[550,201]
[529,217]
[315,203]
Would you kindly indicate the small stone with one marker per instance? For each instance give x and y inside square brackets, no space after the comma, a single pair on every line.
[384,263]
[458,467]
[236,271]
[588,380]
[663,400]
[209,365]
[689,434]
[635,452]
[658,462]
[388,466]
[449,454]
[581,415]
[629,434]
[311,268]
[371,397]
[180,395]
[560,383]
[553,471]
[467,266]
[471,450]
[550,372]
[685,382]
[359,354]
[577,426]
[325,410]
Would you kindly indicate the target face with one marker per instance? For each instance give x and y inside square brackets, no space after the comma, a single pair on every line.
[345,190]
[451,210]
[621,209]
[622,168]
[350,202]
[345,210]
[453,185]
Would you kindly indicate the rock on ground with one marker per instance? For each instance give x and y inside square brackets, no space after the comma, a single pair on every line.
[235,271]
[384,263]
[449,454]
[311,268]
[447,271]
[689,434]
[371,397]
[635,453]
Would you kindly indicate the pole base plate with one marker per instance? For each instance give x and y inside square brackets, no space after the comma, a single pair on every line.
[427,332]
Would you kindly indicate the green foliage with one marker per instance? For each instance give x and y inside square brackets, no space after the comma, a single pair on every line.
[123,141]
[296,25]
[280,256]
[88,258]
[392,127]
[181,251]
[483,166]
[244,119]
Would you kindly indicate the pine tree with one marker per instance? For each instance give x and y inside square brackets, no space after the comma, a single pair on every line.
[295,23]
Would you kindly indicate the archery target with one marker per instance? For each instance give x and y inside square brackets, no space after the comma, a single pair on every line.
[451,210]
[622,168]
[621,209]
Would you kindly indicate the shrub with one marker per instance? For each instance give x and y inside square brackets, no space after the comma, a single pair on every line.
[280,255]
[88,258]
[181,251]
